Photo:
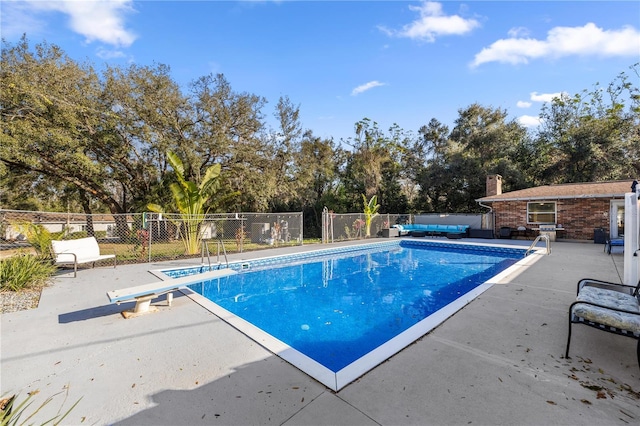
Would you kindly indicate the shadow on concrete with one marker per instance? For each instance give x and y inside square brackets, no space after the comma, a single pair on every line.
[91,313]
[271,387]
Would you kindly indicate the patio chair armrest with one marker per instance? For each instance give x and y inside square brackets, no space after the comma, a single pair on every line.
[58,255]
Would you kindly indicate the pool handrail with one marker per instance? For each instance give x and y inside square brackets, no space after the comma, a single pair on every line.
[205,247]
[538,238]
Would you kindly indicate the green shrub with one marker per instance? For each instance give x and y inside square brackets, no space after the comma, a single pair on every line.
[77,235]
[84,234]
[24,271]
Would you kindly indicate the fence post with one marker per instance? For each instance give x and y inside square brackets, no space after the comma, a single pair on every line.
[150,233]
[324,225]
[242,219]
[301,228]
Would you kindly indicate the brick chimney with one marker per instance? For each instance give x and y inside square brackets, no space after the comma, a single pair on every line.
[494,185]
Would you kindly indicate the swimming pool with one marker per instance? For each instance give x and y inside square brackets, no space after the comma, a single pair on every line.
[337,313]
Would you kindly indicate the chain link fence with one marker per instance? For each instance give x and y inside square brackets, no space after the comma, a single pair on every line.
[352,226]
[148,237]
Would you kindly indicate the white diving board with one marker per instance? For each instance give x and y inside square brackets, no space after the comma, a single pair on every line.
[143,294]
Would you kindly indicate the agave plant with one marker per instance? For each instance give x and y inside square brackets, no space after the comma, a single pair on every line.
[190,201]
[371,208]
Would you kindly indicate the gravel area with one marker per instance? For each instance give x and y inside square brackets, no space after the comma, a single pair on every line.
[11,301]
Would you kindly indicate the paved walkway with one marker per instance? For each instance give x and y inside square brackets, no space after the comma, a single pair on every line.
[497,361]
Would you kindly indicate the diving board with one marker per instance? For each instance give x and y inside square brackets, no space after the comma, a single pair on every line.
[143,294]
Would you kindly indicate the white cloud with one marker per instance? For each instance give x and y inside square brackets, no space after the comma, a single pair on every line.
[366,86]
[588,40]
[17,19]
[547,97]
[518,32]
[523,104]
[109,54]
[96,20]
[432,23]
[529,120]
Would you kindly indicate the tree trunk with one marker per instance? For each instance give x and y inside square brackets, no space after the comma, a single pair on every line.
[84,200]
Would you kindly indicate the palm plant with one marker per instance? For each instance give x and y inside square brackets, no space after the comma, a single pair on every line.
[190,201]
[371,208]
[37,235]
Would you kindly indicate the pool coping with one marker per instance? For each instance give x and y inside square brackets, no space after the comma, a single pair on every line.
[340,379]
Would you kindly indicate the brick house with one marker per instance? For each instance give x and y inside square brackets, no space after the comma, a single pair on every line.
[579,211]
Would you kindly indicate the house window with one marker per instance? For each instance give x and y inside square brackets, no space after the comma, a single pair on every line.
[544,212]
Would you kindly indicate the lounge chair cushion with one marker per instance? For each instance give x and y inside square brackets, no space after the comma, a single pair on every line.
[614,299]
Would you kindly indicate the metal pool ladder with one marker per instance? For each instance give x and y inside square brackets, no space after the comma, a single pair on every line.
[538,238]
[205,249]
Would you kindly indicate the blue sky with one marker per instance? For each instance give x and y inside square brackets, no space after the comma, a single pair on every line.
[402,62]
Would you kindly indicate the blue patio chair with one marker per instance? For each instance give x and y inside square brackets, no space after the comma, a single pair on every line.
[613,242]
[607,306]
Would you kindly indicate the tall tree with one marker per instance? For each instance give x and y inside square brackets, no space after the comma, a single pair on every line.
[316,178]
[482,142]
[103,137]
[286,142]
[373,155]
[50,111]
[149,116]
[591,136]
[228,130]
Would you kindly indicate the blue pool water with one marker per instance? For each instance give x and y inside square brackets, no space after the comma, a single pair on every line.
[337,307]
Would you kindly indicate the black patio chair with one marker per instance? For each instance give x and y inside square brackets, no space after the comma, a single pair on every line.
[607,306]
[505,232]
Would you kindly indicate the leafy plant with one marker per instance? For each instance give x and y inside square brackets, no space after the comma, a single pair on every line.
[371,208]
[354,231]
[10,413]
[190,200]
[37,235]
[347,232]
[24,271]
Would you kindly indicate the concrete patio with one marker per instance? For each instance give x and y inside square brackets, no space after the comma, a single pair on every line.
[497,361]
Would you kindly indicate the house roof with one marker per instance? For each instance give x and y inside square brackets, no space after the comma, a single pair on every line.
[610,189]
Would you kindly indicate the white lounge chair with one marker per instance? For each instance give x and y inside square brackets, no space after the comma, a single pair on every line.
[78,251]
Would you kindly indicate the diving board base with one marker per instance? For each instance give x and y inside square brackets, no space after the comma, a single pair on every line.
[133,314]
[143,307]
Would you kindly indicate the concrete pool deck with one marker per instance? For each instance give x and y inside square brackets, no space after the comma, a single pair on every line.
[497,361]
